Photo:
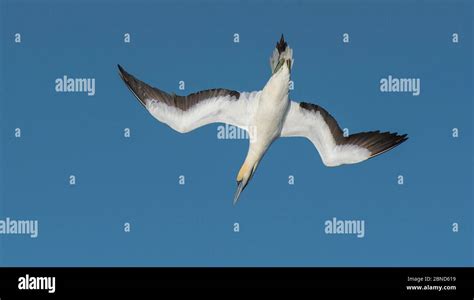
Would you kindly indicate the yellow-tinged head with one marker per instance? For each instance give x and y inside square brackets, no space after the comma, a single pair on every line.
[245,174]
[244,171]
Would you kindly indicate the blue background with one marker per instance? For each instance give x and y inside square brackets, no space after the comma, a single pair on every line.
[136,180]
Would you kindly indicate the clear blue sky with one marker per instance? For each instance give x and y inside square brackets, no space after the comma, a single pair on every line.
[136,180]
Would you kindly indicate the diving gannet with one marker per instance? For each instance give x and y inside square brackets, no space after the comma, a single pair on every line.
[269,113]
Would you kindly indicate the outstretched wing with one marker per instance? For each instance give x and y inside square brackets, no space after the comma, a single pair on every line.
[186,113]
[315,123]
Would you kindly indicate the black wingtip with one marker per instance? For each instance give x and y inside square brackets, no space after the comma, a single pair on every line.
[126,77]
[403,137]
[121,70]
[392,140]
[131,82]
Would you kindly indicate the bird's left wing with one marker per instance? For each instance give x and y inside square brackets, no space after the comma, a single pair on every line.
[315,123]
[186,113]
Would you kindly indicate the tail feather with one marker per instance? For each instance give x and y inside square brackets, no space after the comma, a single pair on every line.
[281,51]
[281,45]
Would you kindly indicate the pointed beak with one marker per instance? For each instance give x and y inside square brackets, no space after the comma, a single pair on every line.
[240,188]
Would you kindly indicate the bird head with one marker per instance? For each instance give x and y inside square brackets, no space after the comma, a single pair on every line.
[243,178]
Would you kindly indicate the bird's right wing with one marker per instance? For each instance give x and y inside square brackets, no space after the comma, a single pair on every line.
[186,113]
[315,123]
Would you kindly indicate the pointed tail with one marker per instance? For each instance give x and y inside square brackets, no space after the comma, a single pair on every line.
[281,52]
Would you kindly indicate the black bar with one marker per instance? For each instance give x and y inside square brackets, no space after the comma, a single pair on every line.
[379,281]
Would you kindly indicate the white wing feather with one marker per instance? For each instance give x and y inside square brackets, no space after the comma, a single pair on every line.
[212,110]
[186,113]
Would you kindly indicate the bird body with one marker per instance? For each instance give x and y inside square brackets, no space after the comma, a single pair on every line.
[269,113]
[266,123]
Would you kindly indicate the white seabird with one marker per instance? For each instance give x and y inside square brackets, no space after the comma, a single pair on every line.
[269,113]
